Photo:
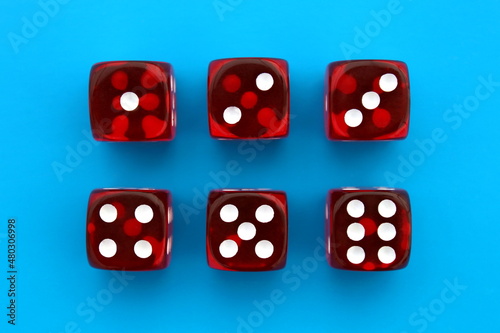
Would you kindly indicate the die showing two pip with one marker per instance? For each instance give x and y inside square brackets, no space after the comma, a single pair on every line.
[248,98]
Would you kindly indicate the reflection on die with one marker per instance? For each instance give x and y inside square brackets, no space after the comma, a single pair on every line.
[368,229]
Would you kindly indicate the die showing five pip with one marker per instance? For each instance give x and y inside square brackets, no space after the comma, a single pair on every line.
[247,230]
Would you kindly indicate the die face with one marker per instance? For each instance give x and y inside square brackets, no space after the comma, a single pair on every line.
[247,230]
[368,229]
[132,101]
[248,98]
[367,100]
[129,229]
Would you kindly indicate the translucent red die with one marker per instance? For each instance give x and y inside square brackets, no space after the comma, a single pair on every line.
[368,229]
[367,100]
[129,229]
[247,230]
[248,98]
[132,101]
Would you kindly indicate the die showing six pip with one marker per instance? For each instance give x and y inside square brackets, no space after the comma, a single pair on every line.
[367,229]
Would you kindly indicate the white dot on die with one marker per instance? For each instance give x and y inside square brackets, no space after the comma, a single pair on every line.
[353,118]
[386,231]
[108,213]
[387,208]
[264,213]
[107,248]
[228,248]
[386,254]
[264,81]
[232,115]
[388,82]
[356,231]
[264,249]
[129,101]
[356,254]
[228,213]
[144,213]
[246,231]
[143,249]
[370,100]
[355,208]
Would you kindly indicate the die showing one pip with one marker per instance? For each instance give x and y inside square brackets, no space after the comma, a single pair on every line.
[247,230]
[248,98]
[129,229]
[132,101]
[368,229]
[367,100]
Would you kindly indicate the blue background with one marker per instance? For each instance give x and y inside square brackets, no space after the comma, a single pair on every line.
[451,284]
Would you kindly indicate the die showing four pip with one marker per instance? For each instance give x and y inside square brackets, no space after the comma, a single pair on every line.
[129,229]
[247,230]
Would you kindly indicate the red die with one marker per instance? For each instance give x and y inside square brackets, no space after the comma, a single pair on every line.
[132,101]
[247,230]
[367,100]
[368,229]
[129,230]
[248,98]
